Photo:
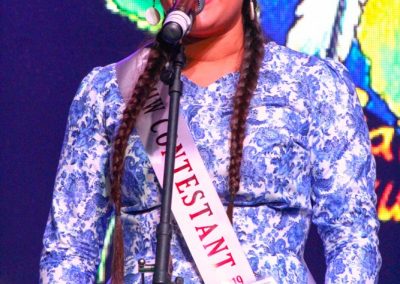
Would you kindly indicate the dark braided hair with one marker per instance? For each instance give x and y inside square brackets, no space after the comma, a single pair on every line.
[157,58]
[145,85]
[249,69]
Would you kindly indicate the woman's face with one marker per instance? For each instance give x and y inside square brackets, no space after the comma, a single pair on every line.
[217,17]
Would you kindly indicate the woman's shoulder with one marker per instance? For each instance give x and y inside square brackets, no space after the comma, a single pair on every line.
[96,83]
[128,70]
[114,78]
[303,67]
[280,55]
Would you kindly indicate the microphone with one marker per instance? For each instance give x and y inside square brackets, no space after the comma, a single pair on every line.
[179,20]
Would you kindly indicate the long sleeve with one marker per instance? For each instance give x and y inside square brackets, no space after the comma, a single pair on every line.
[343,176]
[80,208]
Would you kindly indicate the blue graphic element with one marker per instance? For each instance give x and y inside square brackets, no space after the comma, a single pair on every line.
[359,69]
[277,18]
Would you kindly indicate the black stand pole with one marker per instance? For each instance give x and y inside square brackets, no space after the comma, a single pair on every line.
[162,273]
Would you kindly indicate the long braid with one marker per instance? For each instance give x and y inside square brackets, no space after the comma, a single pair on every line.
[146,83]
[249,71]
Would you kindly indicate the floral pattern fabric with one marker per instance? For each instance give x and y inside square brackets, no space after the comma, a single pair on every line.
[306,159]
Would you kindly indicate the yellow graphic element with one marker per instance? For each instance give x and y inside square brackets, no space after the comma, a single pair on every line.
[385,211]
[384,148]
[363,97]
[379,37]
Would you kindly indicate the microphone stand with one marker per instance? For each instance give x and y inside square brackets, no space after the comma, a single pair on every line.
[172,77]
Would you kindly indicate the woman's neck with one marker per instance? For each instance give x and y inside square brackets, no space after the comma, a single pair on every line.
[210,58]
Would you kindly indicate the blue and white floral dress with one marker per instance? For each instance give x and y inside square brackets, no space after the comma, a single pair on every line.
[306,158]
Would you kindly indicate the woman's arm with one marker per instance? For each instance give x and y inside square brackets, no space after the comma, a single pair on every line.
[343,171]
[80,209]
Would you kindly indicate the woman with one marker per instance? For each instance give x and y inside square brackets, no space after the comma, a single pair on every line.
[281,134]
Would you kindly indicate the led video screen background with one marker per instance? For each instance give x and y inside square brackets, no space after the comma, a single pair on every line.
[47,47]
